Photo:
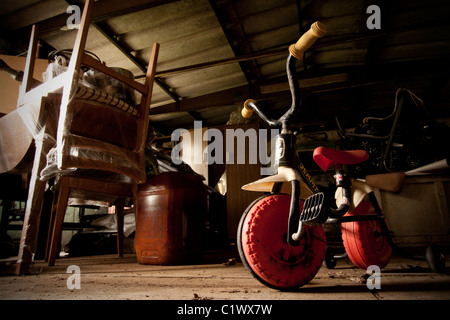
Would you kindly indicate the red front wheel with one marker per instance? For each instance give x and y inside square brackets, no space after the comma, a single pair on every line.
[364,241]
[264,251]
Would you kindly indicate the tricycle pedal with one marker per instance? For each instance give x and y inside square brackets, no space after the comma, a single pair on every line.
[314,211]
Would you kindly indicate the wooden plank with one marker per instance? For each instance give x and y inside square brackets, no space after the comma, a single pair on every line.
[76,58]
[28,239]
[305,83]
[237,176]
[221,98]
[29,64]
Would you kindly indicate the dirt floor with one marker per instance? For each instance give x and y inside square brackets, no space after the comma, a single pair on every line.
[220,277]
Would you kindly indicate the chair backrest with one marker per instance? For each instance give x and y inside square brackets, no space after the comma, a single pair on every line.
[95,130]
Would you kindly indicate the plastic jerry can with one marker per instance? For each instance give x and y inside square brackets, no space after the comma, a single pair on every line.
[170,219]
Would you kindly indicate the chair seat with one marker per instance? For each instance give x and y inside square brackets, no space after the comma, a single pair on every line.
[326,157]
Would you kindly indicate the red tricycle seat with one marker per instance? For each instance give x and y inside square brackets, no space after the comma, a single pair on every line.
[326,157]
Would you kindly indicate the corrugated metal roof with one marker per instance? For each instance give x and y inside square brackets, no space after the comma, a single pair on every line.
[212,46]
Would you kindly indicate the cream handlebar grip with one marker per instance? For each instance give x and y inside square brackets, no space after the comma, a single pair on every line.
[316,31]
[247,112]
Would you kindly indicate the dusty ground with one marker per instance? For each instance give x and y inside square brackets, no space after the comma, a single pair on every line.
[109,277]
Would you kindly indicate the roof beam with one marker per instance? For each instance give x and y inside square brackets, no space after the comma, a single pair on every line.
[103,9]
[301,29]
[228,34]
[108,35]
[217,99]
[245,57]
[333,80]
[321,43]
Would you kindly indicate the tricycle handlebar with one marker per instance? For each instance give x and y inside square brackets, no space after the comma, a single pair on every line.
[296,50]
[316,31]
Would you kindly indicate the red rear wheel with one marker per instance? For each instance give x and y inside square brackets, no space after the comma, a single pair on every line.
[264,251]
[364,241]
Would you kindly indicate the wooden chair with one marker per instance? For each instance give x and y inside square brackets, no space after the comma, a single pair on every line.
[100,139]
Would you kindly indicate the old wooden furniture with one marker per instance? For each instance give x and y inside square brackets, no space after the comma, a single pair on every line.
[95,149]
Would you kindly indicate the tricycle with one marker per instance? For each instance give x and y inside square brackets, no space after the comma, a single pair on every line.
[281,238]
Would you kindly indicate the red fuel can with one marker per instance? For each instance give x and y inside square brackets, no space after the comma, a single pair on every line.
[170,219]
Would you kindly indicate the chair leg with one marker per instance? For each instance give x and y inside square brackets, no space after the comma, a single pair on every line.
[28,238]
[120,221]
[51,225]
[60,212]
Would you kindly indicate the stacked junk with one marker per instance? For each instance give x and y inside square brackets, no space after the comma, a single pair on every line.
[174,198]
[408,140]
